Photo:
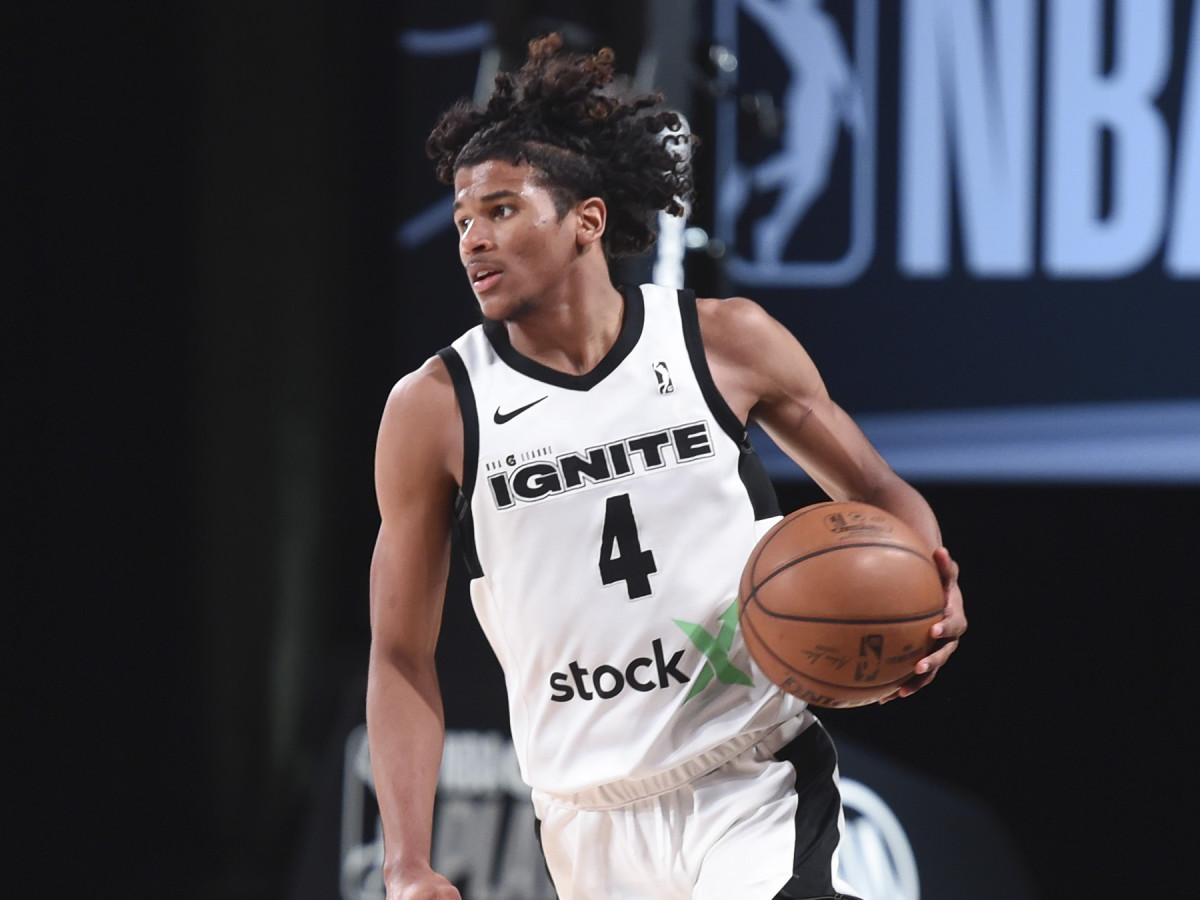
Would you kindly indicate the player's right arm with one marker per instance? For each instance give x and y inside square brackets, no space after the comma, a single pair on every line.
[418,463]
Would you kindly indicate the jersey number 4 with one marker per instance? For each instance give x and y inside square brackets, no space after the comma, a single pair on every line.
[621,555]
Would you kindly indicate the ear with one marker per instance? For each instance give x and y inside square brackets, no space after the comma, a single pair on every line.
[592,217]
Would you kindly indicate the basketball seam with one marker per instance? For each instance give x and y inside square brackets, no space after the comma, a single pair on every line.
[895,620]
[779,528]
[795,562]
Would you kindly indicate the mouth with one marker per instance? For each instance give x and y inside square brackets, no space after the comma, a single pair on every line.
[484,277]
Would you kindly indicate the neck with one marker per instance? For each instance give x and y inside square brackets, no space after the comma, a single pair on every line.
[573,331]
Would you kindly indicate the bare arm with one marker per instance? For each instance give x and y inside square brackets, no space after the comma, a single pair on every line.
[418,460]
[766,376]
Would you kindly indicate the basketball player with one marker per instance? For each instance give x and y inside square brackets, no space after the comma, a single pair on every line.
[589,444]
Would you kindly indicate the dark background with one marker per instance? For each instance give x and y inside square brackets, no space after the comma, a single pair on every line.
[207,309]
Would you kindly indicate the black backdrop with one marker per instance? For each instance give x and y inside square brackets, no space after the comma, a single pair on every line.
[207,310]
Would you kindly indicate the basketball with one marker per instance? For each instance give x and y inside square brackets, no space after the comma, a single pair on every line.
[836,602]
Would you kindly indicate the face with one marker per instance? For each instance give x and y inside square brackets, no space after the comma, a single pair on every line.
[514,246]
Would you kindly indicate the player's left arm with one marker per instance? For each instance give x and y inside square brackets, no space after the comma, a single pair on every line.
[767,377]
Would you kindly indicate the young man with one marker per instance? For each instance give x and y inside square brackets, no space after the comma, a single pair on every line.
[589,444]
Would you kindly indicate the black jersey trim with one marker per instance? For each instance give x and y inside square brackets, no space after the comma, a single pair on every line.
[631,331]
[750,468]
[725,416]
[463,523]
[758,483]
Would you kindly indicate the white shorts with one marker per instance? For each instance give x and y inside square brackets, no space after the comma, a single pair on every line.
[765,824]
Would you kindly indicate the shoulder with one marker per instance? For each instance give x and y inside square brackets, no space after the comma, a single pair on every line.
[736,329]
[421,427]
[426,390]
[739,312]
[753,357]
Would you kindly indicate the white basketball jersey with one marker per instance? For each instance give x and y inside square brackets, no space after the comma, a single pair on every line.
[606,519]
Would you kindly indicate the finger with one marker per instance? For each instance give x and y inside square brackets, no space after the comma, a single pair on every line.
[916,683]
[947,567]
[951,626]
[924,672]
[910,686]
[938,658]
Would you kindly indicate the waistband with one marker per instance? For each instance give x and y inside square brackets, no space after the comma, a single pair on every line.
[621,793]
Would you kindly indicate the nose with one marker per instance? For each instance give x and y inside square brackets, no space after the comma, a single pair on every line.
[476,238]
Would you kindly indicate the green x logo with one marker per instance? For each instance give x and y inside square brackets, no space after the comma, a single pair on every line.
[716,651]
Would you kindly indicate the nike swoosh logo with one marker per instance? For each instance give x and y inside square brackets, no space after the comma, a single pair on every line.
[500,418]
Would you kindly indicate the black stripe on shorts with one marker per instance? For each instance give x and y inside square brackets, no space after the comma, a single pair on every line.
[819,805]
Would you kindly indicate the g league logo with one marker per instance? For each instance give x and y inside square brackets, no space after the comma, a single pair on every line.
[769,183]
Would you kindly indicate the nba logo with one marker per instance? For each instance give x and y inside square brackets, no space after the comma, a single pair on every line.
[663,375]
[795,140]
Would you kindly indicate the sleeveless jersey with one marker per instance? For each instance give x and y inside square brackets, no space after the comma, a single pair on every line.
[606,519]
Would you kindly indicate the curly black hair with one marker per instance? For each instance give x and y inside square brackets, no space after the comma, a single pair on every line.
[559,114]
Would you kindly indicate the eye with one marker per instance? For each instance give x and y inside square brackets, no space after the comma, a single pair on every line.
[462,224]
[502,211]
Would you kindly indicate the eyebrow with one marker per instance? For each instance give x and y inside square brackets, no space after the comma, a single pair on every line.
[494,195]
